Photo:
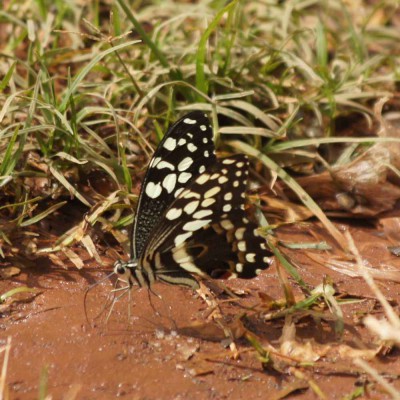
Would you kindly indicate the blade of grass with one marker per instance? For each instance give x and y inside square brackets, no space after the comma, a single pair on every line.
[174,74]
[290,269]
[3,376]
[317,141]
[7,77]
[61,178]
[81,75]
[43,214]
[201,81]
[8,163]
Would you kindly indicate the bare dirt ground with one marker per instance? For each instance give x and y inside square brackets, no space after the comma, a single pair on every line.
[166,350]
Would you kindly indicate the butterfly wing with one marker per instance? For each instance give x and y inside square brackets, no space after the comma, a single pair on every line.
[205,230]
[186,151]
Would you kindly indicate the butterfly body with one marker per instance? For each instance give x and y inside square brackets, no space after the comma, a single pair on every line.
[191,219]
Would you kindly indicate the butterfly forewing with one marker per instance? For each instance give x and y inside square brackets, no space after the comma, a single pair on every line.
[205,229]
[185,152]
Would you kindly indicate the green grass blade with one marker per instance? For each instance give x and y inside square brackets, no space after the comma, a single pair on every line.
[61,178]
[8,163]
[176,75]
[43,214]
[201,81]
[4,82]
[81,75]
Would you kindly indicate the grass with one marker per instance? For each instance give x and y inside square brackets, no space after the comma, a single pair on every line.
[281,75]
[83,101]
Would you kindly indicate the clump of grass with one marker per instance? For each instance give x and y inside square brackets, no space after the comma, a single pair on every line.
[79,94]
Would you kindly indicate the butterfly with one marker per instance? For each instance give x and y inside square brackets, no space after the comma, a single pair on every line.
[190,219]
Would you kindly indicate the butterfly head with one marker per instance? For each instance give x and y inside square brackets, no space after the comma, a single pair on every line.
[126,271]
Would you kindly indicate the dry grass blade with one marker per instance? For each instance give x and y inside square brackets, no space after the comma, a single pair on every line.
[3,378]
[390,313]
[387,330]
[395,395]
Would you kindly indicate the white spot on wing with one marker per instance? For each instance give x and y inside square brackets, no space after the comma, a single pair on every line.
[228,196]
[189,194]
[185,164]
[240,233]
[173,213]
[153,190]
[251,257]
[165,164]
[239,267]
[211,192]
[214,176]
[169,182]
[202,169]
[202,179]
[181,142]
[242,246]
[208,202]
[170,144]
[226,208]
[178,192]
[222,180]
[181,238]
[180,255]
[155,161]
[228,161]
[189,121]
[184,177]
[193,226]
[203,128]
[191,147]
[202,213]
[191,207]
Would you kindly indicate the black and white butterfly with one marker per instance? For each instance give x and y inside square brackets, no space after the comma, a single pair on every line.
[190,219]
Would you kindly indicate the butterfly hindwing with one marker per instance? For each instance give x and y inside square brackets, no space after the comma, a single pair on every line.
[186,151]
[205,230]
